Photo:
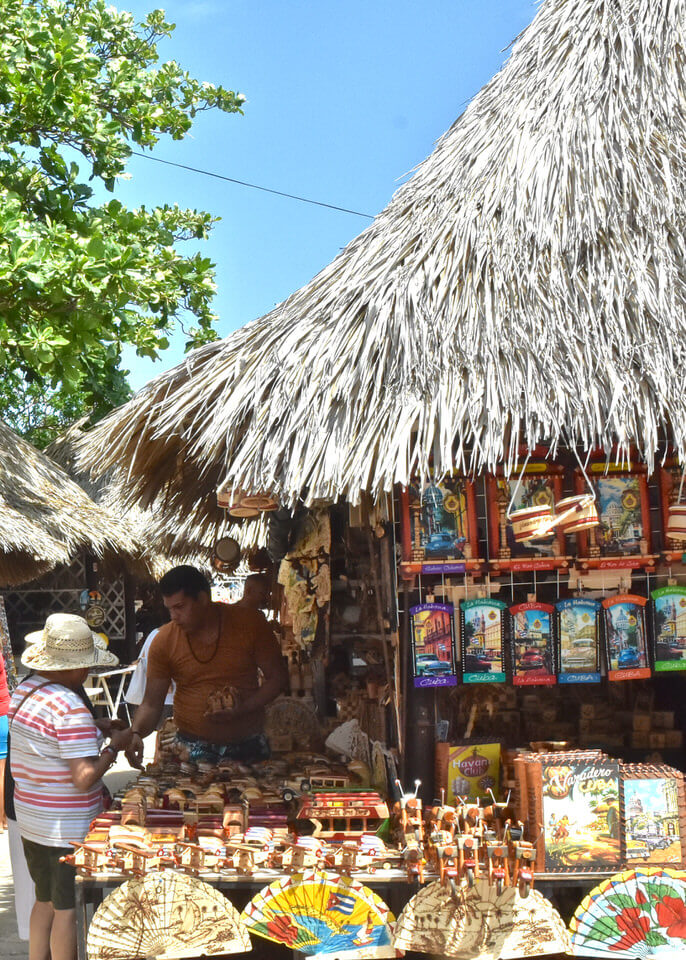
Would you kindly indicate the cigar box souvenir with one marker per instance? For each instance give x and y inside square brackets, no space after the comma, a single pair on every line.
[473,771]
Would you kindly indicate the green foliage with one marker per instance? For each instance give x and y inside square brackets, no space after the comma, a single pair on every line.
[81,85]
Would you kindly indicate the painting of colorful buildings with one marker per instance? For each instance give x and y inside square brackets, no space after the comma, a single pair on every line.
[652,820]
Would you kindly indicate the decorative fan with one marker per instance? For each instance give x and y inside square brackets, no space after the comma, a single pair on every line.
[350,740]
[320,914]
[163,915]
[637,913]
[467,923]
[290,717]
[538,929]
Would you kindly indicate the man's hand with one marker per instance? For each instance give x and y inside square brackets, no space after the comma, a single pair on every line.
[134,749]
[107,726]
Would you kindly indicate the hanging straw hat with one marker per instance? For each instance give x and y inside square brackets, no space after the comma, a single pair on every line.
[66,642]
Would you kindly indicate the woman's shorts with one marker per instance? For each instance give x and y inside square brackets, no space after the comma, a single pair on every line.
[54,881]
[4,728]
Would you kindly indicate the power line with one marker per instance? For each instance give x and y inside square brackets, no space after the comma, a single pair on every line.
[254,186]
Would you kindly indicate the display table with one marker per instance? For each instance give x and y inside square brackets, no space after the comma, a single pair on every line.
[392,885]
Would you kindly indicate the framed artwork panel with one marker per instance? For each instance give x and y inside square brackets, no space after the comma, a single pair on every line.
[623,510]
[439,528]
[541,484]
[669,629]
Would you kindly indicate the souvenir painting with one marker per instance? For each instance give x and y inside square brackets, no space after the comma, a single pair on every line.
[510,504]
[532,644]
[578,640]
[653,812]
[439,526]
[482,631]
[623,512]
[625,637]
[638,913]
[473,770]
[433,645]
[669,629]
[581,815]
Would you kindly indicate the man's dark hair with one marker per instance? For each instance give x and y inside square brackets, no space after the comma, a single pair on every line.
[189,579]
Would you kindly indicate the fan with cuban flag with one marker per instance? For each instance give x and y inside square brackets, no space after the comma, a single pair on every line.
[320,915]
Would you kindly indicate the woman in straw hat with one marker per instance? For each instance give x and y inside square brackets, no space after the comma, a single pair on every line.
[57,763]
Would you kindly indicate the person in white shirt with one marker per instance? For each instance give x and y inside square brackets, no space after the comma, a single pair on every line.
[136,689]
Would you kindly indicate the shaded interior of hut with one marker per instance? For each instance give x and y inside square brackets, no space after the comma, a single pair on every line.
[485,681]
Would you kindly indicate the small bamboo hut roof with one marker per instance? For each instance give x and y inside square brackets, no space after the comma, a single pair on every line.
[45,518]
[526,285]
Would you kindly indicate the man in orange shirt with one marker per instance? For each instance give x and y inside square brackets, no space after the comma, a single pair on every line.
[214,653]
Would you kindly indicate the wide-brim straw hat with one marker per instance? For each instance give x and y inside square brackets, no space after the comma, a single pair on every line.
[66,642]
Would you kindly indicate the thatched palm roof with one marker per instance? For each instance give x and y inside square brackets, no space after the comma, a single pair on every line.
[187,540]
[45,518]
[527,284]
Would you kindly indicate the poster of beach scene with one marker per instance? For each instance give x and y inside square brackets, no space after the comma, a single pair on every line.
[578,639]
[581,815]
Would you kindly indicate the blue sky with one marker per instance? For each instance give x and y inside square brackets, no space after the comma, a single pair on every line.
[343,100]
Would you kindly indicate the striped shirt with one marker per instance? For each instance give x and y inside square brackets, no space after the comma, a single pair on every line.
[51,727]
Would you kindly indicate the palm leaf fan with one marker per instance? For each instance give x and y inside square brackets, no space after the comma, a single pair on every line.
[165,914]
[637,913]
[467,922]
[538,929]
[320,914]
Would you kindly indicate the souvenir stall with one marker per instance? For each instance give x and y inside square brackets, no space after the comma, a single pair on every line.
[553,765]
[478,410]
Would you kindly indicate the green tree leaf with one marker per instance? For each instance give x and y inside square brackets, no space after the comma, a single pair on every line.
[78,279]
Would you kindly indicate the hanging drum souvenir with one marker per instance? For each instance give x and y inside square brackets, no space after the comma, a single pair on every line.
[531,523]
[576,513]
[676,521]
[238,510]
[259,501]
